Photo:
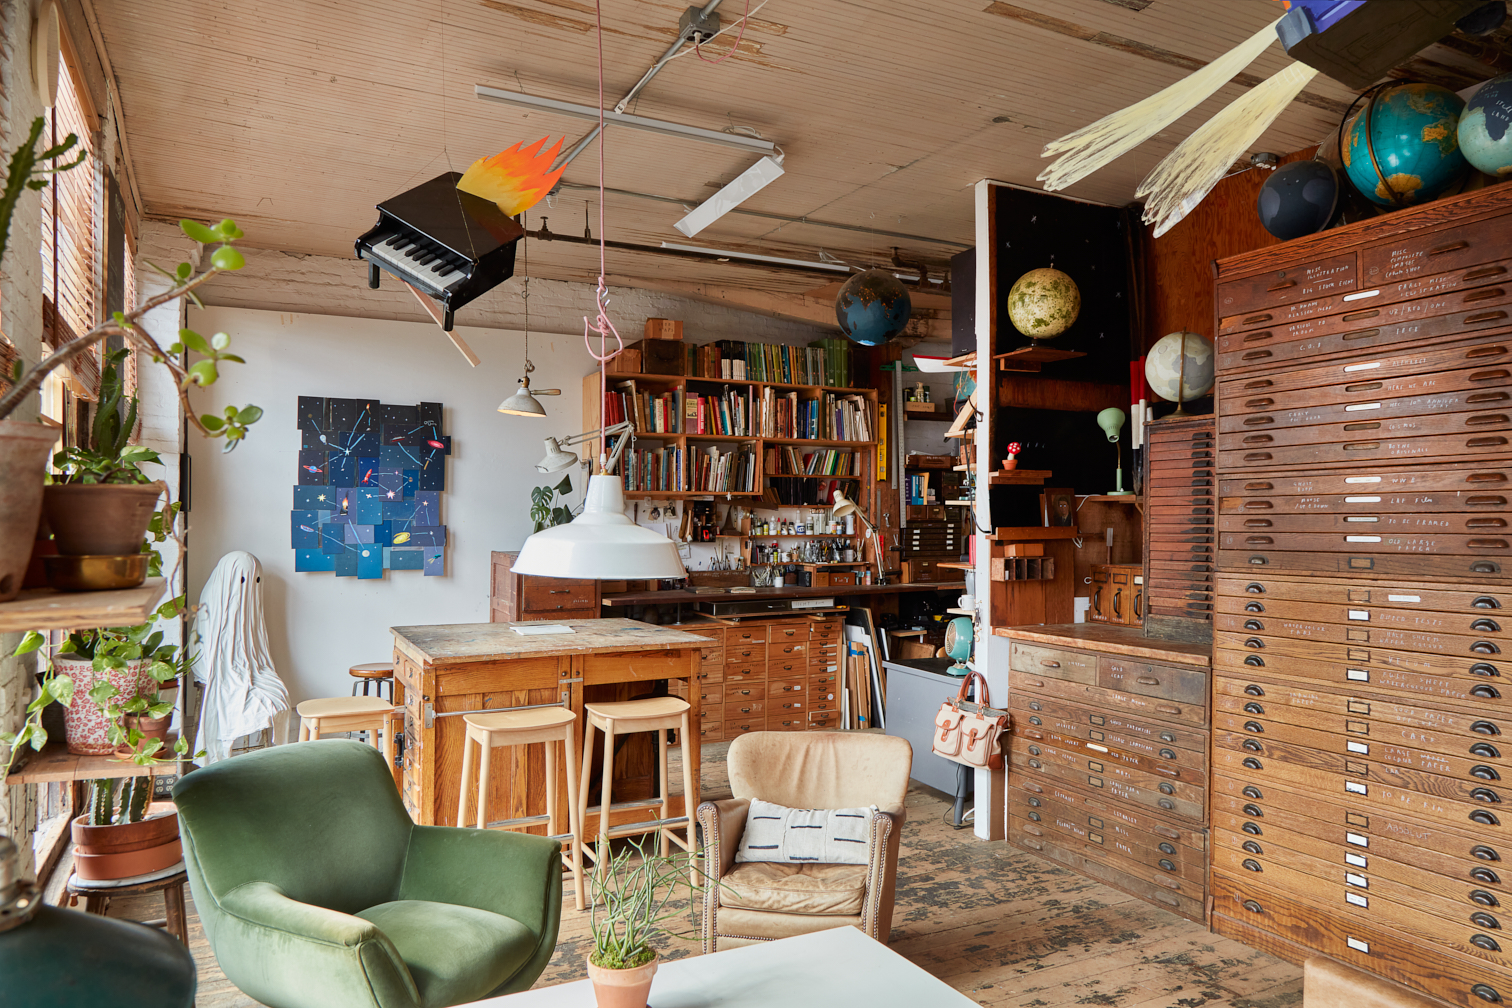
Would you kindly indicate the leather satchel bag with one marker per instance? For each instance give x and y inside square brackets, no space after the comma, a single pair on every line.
[968,732]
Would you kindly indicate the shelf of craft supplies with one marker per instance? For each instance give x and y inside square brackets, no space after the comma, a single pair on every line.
[46,609]
[55,763]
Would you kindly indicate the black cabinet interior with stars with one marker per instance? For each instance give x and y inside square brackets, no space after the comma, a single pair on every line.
[368,498]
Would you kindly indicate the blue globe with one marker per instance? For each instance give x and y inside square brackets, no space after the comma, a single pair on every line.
[873,307]
[1414,133]
[1484,137]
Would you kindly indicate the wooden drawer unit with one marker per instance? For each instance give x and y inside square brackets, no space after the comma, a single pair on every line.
[744,725]
[823,720]
[744,691]
[790,721]
[711,732]
[1086,811]
[1117,594]
[1191,768]
[1099,725]
[824,682]
[1167,682]
[1140,787]
[711,674]
[927,570]
[1180,504]
[518,598]
[1194,715]
[744,674]
[744,708]
[745,654]
[787,633]
[1184,898]
[748,635]
[787,689]
[787,649]
[1242,908]
[1150,863]
[712,711]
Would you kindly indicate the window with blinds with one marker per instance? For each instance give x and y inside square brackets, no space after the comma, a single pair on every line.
[71,224]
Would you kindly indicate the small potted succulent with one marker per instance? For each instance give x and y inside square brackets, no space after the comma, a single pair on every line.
[629,895]
[1011,462]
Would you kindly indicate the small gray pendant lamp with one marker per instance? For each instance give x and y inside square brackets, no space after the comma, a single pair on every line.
[523,402]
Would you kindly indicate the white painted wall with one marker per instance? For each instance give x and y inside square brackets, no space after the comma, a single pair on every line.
[318,624]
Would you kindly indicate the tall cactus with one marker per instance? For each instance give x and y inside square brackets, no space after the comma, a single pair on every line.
[101,801]
[134,799]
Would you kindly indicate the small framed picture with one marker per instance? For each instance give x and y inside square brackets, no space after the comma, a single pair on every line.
[1058,507]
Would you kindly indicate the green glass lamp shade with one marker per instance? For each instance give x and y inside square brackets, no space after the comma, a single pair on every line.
[1111,420]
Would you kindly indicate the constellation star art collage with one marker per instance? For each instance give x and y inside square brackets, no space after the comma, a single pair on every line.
[371,476]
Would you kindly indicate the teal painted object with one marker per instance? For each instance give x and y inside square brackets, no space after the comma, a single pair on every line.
[1414,131]
[873,307]
[1485,128]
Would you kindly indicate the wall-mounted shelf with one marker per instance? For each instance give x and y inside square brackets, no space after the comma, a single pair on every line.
[954,565]
[45,609]
[1033,533]
[55,764]
[961,612]
[1019,477]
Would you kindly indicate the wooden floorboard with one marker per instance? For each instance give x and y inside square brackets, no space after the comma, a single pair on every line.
[1003,926]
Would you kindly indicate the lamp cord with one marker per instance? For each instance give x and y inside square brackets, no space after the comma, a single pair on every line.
[601,325]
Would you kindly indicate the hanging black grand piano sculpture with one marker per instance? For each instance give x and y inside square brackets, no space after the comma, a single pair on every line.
[453,239]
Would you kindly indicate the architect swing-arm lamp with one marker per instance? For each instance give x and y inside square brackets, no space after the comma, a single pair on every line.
[842,507]
[558,458]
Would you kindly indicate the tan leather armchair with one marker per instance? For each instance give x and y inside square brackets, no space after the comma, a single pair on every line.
[760,901]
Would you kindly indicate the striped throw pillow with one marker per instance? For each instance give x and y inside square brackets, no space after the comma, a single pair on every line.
[823,836]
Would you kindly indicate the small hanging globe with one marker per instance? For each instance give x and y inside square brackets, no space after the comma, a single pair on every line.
[1169,378]
[1414,135]
[1484,137]
[873,307]
[1043,303]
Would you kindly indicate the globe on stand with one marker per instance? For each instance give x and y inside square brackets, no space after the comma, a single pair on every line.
[1298,199]
[1180,367]
[1403,149]
[873,307]
[1043,303]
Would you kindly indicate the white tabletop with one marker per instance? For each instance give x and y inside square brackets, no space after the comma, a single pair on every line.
[820,970]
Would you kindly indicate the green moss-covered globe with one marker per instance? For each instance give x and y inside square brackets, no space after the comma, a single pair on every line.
[1043,303]
[1414,132]
[1484,136]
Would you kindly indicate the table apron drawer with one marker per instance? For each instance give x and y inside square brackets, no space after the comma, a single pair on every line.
[558,595]
[636,666]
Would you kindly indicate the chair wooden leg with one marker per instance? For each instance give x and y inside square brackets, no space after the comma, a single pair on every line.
[467,770]
[485,757]
[173,910]
[304,729]
[553,814]
[663,836]
[574,817]
[583,771]
[690,781]
[604,791]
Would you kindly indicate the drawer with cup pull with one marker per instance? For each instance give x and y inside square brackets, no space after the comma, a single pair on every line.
[784,688]
[745,636]
[1085,830]
[1465,246]
[711,731]
[1404,530]
[786,667]
[1154,739]
[744,725]
[1366,716]
[1158,868]
[1398,766]
[1151,774]
[1248,912]
[787,633]
[1376,403]
[1485,696]
[1184,898]
[1365,621]
[1057,663]
[1382,600]
[1171,682]
[1248,493]
[1130,703]
[745,673]
[745,654]
[744,691]
[1176,768]
[1394,863]
[823,720]
[710,674]
[1341,819]
[1430,433]
[743,708]
[1481,571]
[1493,541]
[1488,810]
[1362,633]
[787,722]
[1357,896]
[1321,278]
[1133,823]
[1483,661]
[1115,781]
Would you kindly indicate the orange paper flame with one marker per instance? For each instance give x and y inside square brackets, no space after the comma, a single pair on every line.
[515,179]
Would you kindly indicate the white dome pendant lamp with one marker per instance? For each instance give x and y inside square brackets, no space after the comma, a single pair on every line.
[601,542]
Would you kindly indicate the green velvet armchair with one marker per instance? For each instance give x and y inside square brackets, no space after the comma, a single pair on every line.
[316,890]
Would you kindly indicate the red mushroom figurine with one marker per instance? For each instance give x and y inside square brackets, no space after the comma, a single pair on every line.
[1011,462]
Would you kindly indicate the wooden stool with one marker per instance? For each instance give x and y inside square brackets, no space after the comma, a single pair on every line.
[549,725]
[170,882]
[350,714]
[375,673]
[624,717]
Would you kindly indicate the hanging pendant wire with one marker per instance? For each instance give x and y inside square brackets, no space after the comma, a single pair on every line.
[601,325]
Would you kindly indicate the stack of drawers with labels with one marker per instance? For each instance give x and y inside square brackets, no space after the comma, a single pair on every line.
[1179,504]
[769,675]
[1108,765]
[1362,743]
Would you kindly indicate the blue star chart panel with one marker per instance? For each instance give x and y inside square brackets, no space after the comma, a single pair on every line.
[368,499]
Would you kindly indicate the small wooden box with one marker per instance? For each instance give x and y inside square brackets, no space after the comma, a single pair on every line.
[842,577]
[1023,550]
[627,361]
[927,571]
[663,329]
[926,512]
[659,356]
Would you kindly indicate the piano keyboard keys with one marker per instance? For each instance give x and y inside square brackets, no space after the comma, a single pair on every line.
[428,263]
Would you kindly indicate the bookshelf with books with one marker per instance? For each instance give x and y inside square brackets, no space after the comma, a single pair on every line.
[702,436]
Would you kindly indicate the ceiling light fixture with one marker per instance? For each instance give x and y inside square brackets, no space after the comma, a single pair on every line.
[752,257]
[520,100]
[523,402]
[747,184]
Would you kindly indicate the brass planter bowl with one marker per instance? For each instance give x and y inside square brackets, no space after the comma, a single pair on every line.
[96,573]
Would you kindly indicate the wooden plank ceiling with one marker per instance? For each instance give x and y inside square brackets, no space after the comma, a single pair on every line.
[296,117]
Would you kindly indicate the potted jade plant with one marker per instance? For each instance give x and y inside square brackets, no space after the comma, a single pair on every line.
[630,891]
[24,447]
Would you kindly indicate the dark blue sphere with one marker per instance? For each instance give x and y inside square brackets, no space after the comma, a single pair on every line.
[1298,199]
[873,307]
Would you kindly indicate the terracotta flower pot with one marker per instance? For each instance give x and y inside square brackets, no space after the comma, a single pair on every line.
[1010,463]
[100,519]
[150,727]
[622,988]
[127,849]
[85,721]
[24,450]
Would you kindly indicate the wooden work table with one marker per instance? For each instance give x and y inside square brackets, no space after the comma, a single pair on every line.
[444,670]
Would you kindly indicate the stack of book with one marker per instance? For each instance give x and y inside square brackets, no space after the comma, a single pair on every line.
[825,462]
[653,469]
[730,470]
[823,362]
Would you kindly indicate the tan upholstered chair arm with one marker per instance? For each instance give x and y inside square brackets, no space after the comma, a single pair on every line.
[883,824]
[723,824]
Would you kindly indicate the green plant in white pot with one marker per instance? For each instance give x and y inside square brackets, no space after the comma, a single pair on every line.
[24,447]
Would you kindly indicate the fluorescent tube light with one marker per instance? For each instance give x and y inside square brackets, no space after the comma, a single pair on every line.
[750,257]
[747,184]
[745,143]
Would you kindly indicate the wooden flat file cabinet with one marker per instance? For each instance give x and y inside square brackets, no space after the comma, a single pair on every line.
[442,671]
[1362,691]
[522,598]
[1180,509]
[1108,759]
